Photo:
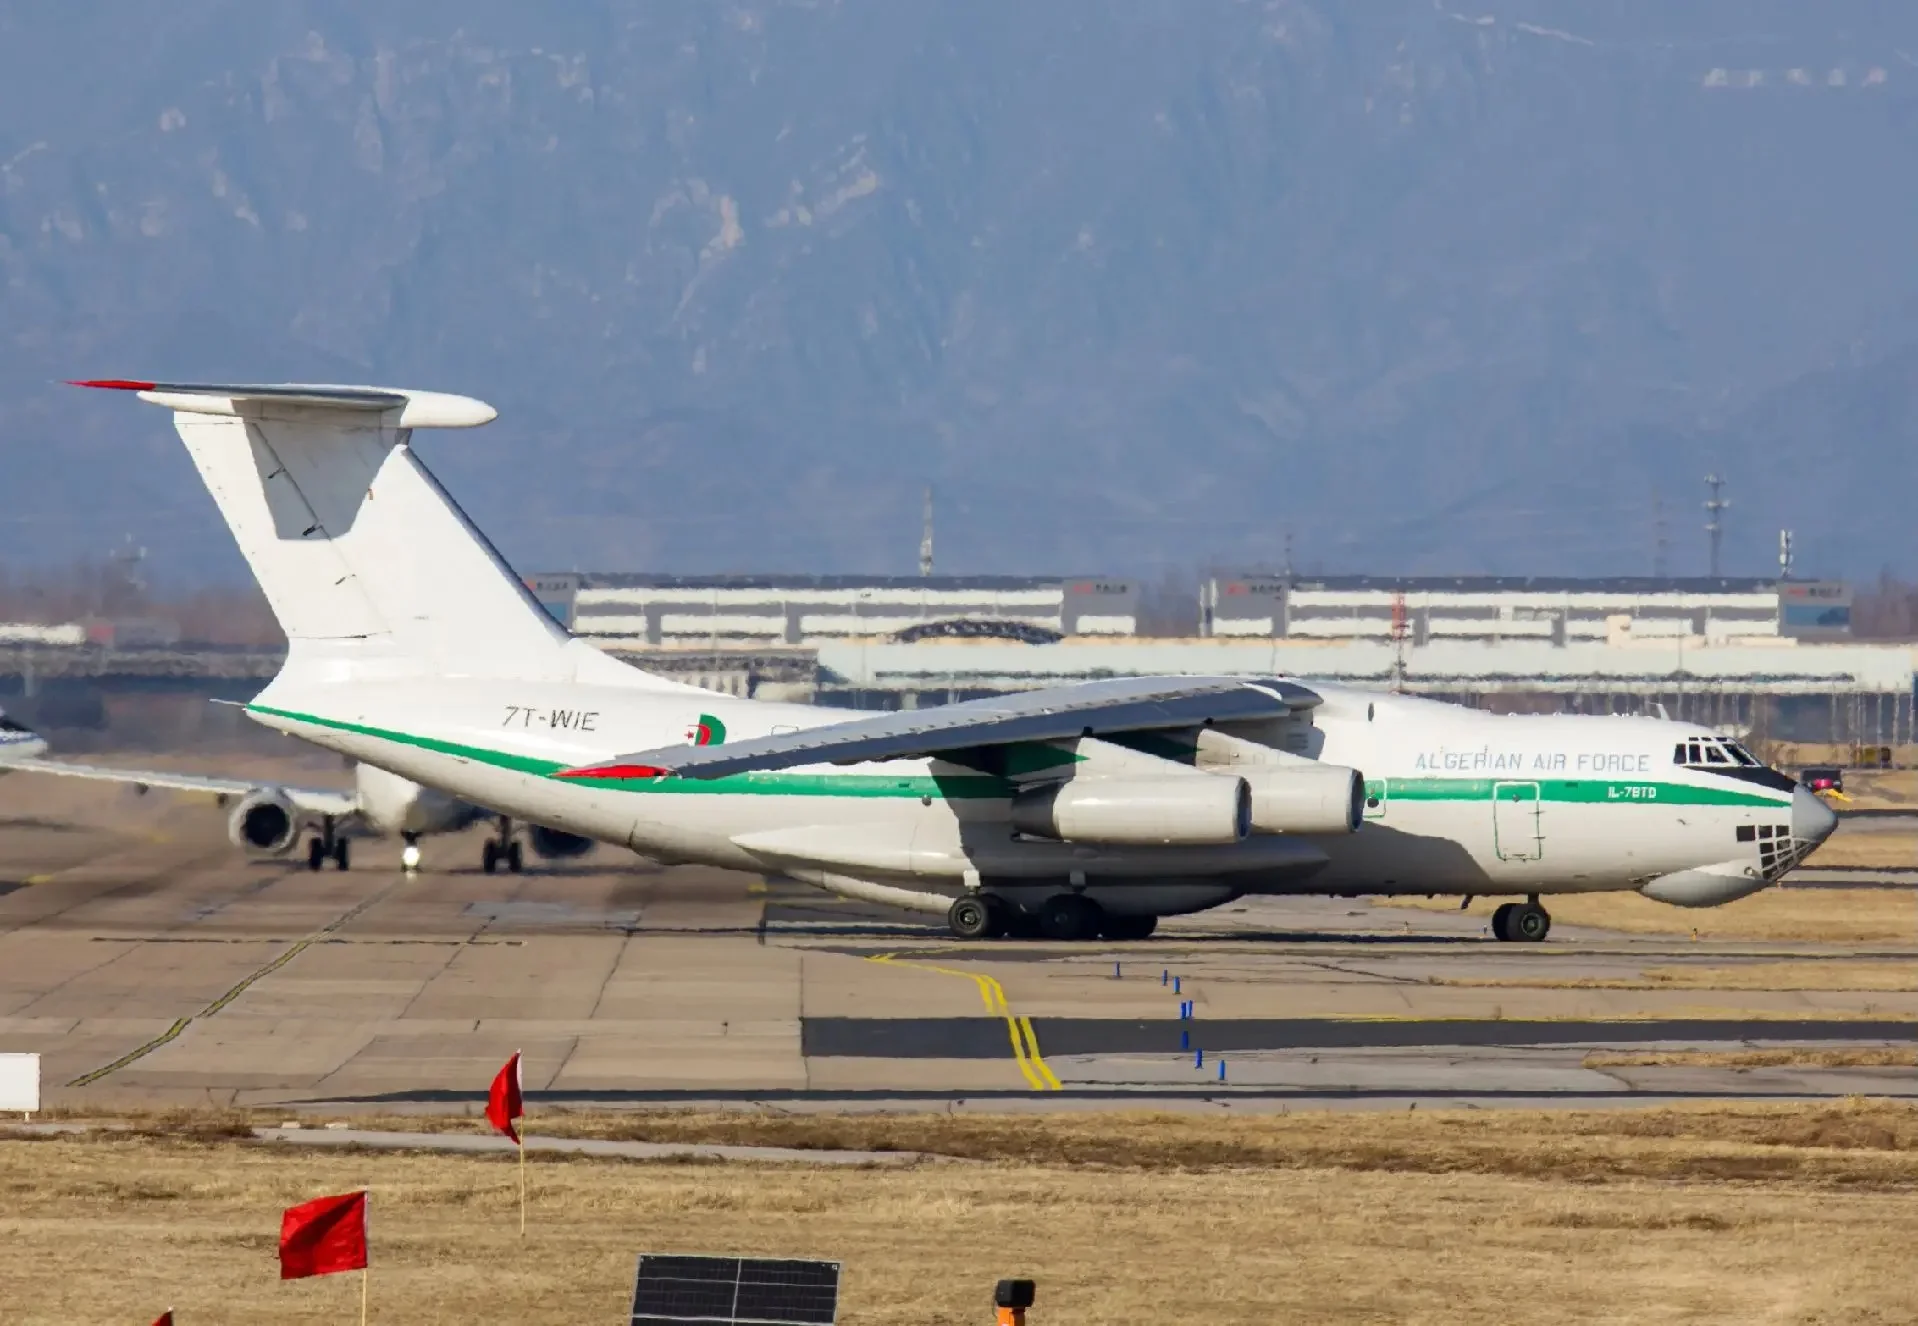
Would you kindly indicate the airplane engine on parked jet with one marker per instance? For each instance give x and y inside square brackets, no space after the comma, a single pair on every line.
[557,844]
[1194,809]
[264,821]
[1306,798]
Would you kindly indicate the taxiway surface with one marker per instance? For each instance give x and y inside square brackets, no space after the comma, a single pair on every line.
[150,964]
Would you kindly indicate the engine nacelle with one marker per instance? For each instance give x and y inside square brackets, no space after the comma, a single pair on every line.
[557,844]
[1191,810]
[1306,798]
[264,821]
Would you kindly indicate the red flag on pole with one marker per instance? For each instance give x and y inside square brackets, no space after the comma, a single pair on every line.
[503,1103]
[164,1319]
[324,1236]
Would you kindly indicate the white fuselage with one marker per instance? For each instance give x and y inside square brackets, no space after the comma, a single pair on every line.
[1459,801]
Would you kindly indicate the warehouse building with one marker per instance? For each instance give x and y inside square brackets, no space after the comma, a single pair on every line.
[640,610]
[1509,608]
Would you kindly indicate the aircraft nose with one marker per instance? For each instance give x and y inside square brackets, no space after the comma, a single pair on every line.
[1811,819]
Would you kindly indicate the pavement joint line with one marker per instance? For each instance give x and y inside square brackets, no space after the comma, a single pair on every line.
[181,1024]
[1025,1041]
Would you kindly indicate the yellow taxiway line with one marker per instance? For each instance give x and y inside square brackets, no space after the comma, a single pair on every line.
[1025,1041]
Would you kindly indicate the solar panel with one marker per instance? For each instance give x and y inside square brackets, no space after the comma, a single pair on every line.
[750,1291]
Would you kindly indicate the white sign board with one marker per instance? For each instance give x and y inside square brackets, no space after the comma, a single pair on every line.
[20,1082]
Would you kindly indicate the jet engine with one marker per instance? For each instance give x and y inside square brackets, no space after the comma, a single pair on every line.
[1306,798]
[1192,809]
[557,844]
[264,821]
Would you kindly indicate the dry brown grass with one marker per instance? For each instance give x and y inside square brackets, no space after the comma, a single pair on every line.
[1793,1057]
[1729,1214]
[1873,851]
[1884,977]
[1836,916]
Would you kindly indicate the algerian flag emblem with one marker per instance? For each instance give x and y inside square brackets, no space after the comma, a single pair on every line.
[708,731]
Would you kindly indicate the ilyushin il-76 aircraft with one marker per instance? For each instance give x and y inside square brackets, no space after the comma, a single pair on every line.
[1076,811]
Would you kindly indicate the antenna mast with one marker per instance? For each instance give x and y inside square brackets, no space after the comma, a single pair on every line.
[1661,539]
[1714,513]
[925,540]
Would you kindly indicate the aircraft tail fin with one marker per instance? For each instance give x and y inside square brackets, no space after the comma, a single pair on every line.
[369,564]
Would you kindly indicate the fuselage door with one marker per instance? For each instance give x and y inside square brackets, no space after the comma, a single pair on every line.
[1518,834]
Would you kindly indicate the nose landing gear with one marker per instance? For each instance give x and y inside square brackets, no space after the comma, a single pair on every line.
[410,854]
[1524,922]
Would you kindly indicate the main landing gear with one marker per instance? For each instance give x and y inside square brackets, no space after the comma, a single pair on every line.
[327,845]
[410,854]
[1526,922]
[503,850]
[1066,917]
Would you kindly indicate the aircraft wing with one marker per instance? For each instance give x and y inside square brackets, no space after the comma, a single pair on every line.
[314,800]
[1094,708]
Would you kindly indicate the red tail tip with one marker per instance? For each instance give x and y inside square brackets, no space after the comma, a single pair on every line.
[111,384]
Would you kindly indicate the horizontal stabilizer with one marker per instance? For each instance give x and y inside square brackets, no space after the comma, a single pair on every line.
[417,409]
[1094,708]
[315,800]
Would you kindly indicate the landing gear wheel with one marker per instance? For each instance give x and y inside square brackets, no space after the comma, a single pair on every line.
[410,855]
[973,917]
[1070,917]
[1528,923]
[1501,916]
[315,853]
[515,859]
[342,860]
[489,856]
[1128,927]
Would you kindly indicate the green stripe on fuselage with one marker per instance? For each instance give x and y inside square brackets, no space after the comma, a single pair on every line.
[1582,791]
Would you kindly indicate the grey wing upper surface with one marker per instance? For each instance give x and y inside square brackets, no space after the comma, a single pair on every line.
[1119,705]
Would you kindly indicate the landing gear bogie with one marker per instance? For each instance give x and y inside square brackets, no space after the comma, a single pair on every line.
[503,849]
[327,845]
[1521,922]
[1068,917]
[976,916]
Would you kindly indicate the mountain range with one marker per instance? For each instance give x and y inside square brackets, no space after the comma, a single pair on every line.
[1396,286]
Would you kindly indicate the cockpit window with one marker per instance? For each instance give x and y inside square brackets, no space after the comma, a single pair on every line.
[1712,753]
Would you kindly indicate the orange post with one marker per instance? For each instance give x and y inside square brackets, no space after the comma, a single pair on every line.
[1012,1298]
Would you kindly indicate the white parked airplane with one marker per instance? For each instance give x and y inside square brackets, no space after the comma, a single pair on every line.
[272,817]
[1083,810]
[18,742]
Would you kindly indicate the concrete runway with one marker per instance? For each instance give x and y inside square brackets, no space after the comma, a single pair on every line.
[152,965]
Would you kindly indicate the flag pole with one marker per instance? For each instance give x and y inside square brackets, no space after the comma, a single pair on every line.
[366,1274]
[522,1184]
